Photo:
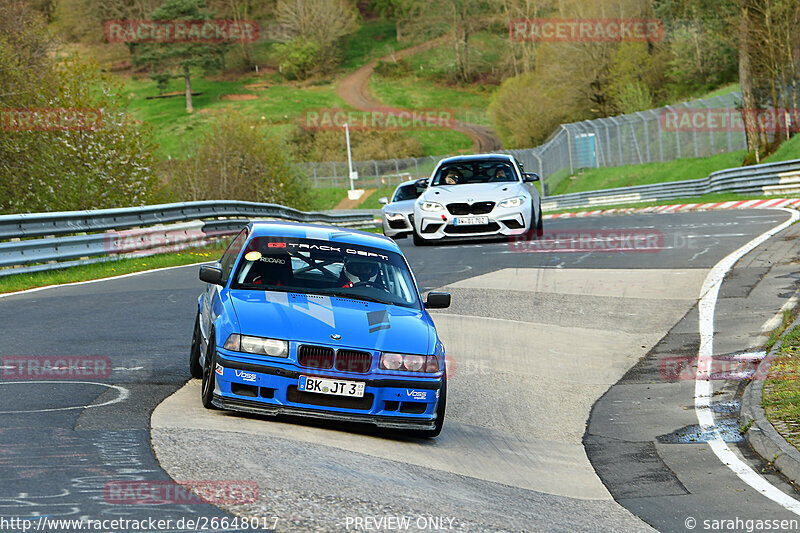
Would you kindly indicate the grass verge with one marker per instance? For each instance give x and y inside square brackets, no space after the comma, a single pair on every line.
[788,150]
[323,198]
[20,282]
[625,176]
[781,397]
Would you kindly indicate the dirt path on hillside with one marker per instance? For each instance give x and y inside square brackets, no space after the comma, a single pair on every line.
[354,89]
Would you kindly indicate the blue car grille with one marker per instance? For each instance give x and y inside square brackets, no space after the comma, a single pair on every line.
[325,358]
[315,356]
[353,361]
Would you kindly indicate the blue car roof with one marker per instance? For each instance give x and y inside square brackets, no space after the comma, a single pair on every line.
[295,230]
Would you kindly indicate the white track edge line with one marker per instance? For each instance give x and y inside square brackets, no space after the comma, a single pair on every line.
[703,385]
[36,289]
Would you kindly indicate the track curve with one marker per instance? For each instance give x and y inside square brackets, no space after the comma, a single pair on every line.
[536,339]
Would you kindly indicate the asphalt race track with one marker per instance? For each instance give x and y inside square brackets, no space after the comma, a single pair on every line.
[563,413]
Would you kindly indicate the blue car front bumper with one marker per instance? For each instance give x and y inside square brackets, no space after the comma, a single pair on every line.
[271,388]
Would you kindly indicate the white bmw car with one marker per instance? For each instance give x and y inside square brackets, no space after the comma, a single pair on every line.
[478,196]
[397,212]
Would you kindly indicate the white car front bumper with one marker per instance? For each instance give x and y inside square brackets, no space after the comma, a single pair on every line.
[437,225]
[401,225]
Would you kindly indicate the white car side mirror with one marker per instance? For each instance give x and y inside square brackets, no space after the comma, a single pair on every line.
[383,200]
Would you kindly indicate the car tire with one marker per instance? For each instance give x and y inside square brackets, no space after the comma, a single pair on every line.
[209,374]
[418,241]
[441,407]
[540,225]
[536,230]
[194,353]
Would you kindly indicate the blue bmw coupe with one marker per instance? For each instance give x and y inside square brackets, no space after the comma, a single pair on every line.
[319,322]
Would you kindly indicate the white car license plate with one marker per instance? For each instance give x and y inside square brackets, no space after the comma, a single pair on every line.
[337,387]
[471,221]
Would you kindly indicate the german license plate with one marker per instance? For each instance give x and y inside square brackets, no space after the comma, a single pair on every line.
[471,221]
[336,387]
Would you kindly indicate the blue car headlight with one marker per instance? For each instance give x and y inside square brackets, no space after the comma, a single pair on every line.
[406,362]
[257,345]
[513,202]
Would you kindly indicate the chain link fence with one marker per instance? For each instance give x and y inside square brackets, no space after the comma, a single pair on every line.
[698,128]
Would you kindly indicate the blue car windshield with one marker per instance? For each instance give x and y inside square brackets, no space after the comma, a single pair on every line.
[324,267]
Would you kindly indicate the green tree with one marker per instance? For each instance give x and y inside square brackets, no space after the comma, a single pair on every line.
[529,107]
[108,166]
[176,60]
[314,29]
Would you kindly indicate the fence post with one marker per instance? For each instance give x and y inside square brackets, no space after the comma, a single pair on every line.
[619,139]
[541,174]
[694,130]
[569,149]
[646,135]
[677,134]
[728,118]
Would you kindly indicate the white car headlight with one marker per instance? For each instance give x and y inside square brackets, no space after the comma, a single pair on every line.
[513,202]
[431,206]
[394,216]
[257,345]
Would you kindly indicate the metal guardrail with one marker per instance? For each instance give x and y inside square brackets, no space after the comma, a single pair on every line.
[48,241]
[767,179]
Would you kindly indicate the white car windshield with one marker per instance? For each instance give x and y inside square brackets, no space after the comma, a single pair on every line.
[469,172]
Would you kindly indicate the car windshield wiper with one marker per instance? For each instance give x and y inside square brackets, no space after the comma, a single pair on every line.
[260,287]
[352,296]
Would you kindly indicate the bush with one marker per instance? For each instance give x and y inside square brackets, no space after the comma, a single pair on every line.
[108,166]
[527,108]
[393,69]
[299,58]
[326,145]
[238,159]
